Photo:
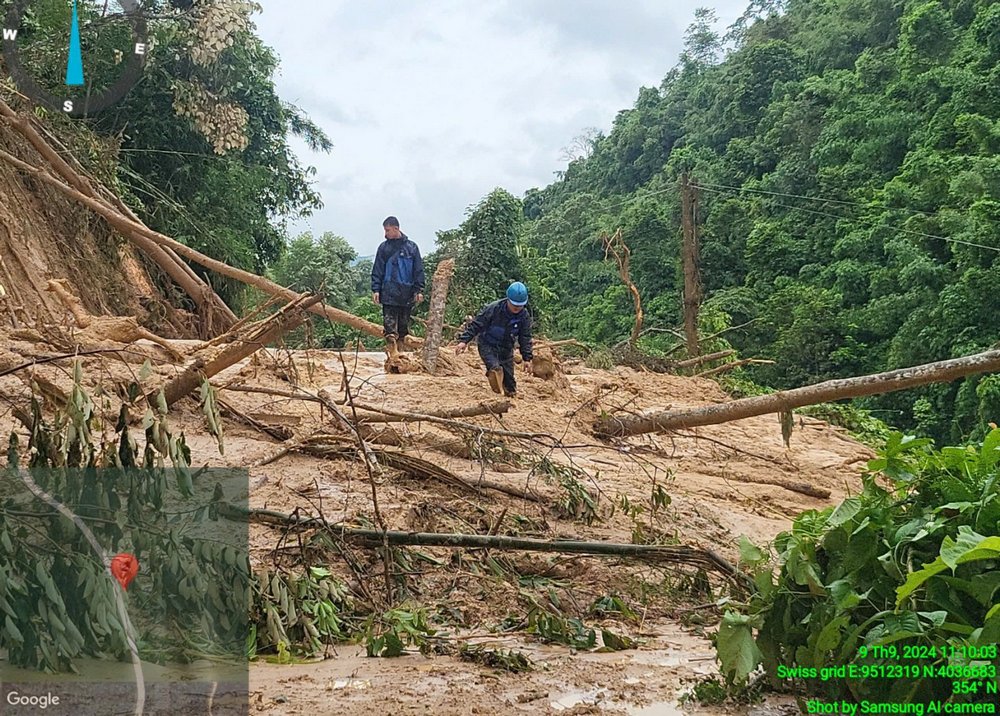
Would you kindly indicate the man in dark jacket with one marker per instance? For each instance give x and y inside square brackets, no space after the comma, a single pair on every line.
[397,283]
[498,326]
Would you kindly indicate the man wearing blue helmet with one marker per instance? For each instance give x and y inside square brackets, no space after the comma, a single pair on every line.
[498,326]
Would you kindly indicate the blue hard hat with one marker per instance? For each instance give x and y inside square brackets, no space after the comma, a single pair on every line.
[517,293]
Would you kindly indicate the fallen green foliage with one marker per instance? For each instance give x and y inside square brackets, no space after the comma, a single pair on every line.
[558,629]
[298,613]
[513,661]
[57,599]
[389,634]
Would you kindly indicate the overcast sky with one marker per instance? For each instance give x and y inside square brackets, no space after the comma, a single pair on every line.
[432,104]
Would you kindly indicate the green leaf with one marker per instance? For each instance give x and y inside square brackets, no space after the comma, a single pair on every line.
[965,549]
[844,595]
[373,647]
[991,627]
[615,642]
[953,550]
[393,645]
[738,652]
[13,632]
[845,511]
[991,450]
[936,619]
[750,553]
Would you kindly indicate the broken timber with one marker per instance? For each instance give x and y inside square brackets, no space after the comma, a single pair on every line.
[384,415]
[131,228]
[654,554]
[786,400]
[287,319]
[435,323]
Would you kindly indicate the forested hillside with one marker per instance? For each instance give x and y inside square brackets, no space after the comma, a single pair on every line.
[848,204]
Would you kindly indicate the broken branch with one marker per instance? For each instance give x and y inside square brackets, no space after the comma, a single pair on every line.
[616,246]
[699,360]
[287,319]
[734,364]
[332,446]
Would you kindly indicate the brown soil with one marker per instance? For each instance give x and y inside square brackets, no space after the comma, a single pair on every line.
[718,479]
[45,236]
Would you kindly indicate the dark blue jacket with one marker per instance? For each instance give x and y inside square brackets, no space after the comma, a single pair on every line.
[398,272]
[497,326]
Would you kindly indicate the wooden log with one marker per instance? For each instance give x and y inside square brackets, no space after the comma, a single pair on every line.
[655,554]
[384,415]
[288,318]
[786,400]
[435,323]
[126,225]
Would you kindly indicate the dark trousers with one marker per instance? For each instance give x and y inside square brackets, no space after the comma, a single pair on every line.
[396,321]
[499,357]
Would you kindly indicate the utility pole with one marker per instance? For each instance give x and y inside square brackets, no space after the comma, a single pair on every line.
[689,254]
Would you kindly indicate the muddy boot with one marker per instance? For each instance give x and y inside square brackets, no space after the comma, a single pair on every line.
[391,349]
[495,377]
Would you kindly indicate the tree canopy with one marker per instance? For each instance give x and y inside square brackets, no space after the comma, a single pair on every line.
[849,196]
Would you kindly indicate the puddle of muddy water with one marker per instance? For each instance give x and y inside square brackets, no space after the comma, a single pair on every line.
[576,698]
[666,708]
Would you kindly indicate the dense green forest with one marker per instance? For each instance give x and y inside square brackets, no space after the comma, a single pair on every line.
[848,192]
[848,204]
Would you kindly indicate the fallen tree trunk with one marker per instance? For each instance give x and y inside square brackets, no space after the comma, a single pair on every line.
[699,360]
[209,302]
[287,319]
[496,407]
[128,227]
[786,400]
[656,554]
[435,316]
[332,446]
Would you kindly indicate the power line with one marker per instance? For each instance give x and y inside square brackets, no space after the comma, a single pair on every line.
[820,199]
[870,222]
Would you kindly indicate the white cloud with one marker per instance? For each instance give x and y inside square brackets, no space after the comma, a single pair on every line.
[431,105]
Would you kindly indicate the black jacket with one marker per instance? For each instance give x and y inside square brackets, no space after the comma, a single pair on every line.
[497,326]
[398,272]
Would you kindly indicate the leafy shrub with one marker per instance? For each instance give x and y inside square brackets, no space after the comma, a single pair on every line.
[909,565]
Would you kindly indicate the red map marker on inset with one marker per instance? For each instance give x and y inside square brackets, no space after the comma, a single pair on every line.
[124,567]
